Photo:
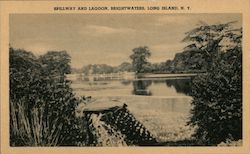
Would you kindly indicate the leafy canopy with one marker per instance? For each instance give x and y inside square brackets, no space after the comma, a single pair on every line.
[139,58]
[217,95]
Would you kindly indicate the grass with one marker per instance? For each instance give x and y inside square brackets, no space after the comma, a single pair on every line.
[33,129]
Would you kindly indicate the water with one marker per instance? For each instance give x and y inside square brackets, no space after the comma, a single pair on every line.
[161,105]
[145,87]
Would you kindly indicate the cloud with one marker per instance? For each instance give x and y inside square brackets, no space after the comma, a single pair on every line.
[174,19]
[168,47]
[194,20]
[162,52]
[40,48]
[103,30]
[111,57]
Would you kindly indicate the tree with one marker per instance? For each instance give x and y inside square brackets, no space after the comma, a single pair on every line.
[212,40]
[56,62]
[217,95]
[139,58]
[124,67]
[97,69]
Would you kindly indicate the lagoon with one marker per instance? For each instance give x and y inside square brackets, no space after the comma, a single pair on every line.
[162,87]
[162,105]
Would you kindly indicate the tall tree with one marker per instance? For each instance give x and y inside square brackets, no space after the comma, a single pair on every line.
[139,58]
[212,40]
[217,95]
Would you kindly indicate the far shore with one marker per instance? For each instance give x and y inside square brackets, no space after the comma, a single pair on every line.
[133,76]
[166,75]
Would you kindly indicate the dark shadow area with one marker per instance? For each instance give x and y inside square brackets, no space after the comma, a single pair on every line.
[140,87]
[181,85]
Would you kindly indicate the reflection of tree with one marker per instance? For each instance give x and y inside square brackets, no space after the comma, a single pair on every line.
[181,85]
[140,87]
[158,81]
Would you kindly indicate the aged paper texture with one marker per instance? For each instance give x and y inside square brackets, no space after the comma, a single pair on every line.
[125,76]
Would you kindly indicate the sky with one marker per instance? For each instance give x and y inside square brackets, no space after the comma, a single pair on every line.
[107,38]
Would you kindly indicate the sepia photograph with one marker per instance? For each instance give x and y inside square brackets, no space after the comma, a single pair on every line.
[109,80]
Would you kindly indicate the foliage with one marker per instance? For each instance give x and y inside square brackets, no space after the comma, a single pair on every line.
[188,61]
[230,143]
[42,105]
[124,67]
[207,42]
[217,96]
[139,58]
[56,62]
[104,68]
[97,69]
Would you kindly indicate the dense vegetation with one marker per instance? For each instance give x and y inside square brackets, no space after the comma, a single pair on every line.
[42,105]
[188,61]
[217,96]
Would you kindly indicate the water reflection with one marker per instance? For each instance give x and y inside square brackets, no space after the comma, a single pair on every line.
[147,87]
[181,85]
[140,87]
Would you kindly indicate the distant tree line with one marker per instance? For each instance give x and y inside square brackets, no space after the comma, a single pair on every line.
[104,68]
[188,61]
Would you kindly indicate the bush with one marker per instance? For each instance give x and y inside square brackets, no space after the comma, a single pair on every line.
[217,95]
[42,105]
[218,102]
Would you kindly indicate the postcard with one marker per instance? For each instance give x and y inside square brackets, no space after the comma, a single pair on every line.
[125,76]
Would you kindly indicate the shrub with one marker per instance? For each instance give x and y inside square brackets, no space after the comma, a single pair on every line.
[42,105]
[218,103]
[217,95]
